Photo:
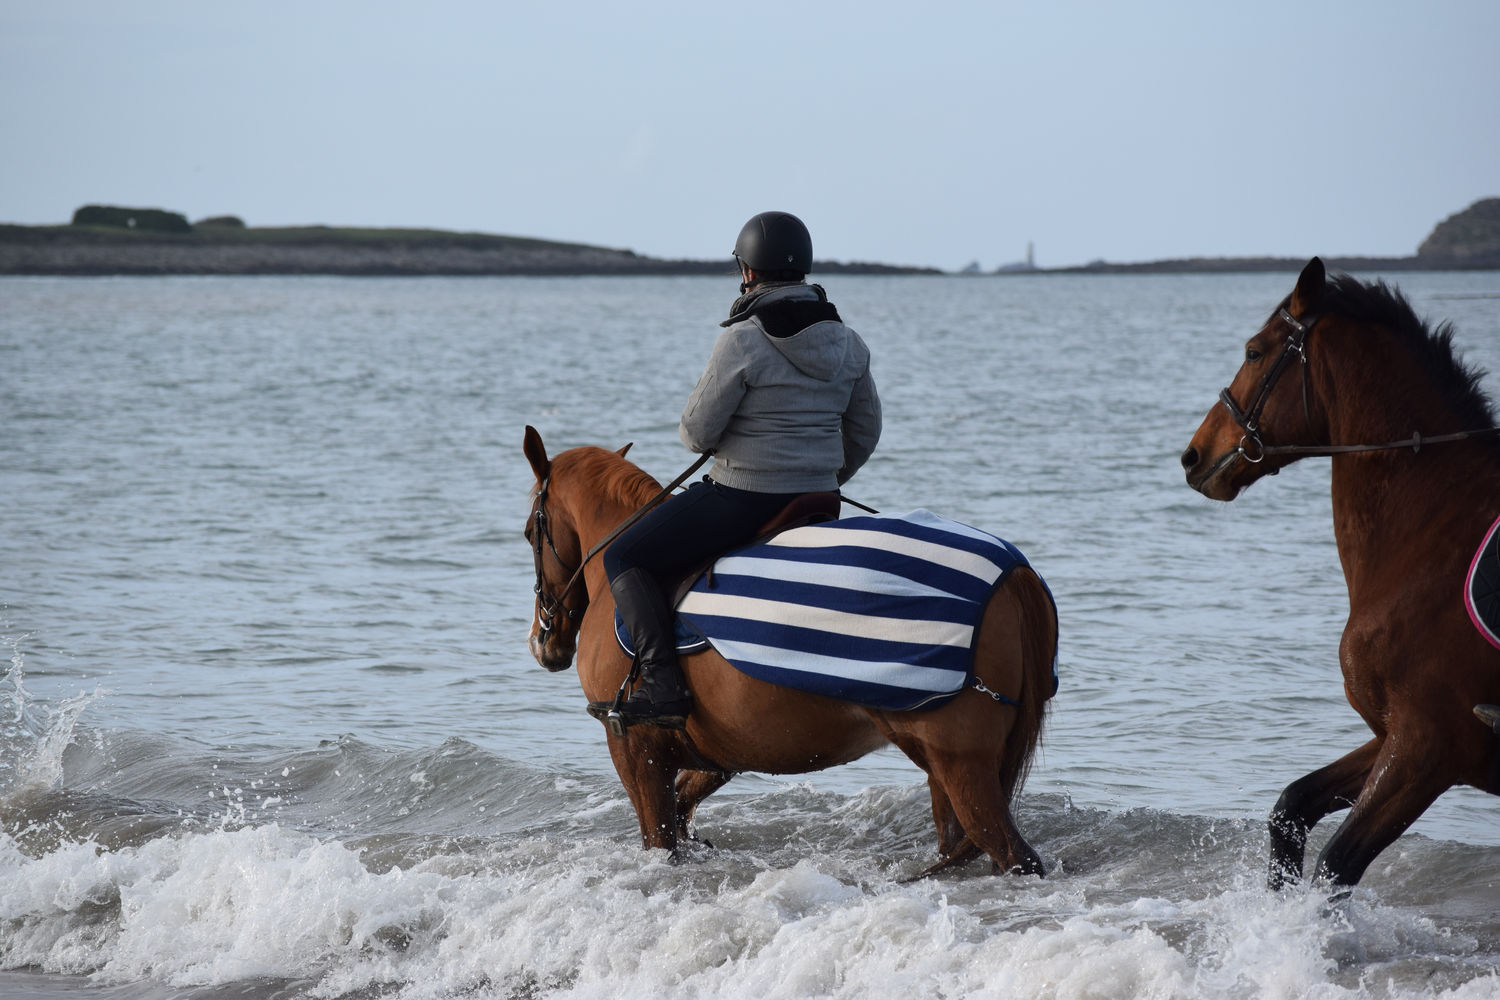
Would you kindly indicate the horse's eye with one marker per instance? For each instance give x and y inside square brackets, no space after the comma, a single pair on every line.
[1251,355]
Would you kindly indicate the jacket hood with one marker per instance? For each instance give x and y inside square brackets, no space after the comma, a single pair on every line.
[802,324]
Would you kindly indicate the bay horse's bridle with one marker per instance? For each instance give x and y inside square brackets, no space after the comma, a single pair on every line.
[1249,420]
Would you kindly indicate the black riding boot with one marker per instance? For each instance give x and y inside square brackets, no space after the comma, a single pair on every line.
[661,696]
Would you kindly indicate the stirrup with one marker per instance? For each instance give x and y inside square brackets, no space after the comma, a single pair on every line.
[620,715]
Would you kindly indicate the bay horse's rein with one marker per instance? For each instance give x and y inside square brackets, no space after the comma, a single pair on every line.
[1249,421]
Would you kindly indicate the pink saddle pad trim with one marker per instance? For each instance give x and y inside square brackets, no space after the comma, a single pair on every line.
[1484,629]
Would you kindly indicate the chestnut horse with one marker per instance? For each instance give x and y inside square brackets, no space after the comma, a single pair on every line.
[1345,369]
[975,749]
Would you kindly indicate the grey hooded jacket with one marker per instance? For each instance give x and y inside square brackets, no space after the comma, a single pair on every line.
[784,414]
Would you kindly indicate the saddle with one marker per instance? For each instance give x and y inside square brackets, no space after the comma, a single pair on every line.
[807,508]
[1482,588]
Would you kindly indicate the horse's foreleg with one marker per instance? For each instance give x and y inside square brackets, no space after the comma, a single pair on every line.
[1309,799]
[647,766]
[1400,788]
[692,788]
[979,804]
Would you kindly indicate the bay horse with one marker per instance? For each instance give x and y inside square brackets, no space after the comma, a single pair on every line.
[1345,369]
[974,749]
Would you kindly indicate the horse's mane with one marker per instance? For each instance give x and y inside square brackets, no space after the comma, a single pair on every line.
[616,477]
[1379,304]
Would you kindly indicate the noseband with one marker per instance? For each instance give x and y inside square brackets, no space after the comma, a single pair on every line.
[548,606]
[1249,420]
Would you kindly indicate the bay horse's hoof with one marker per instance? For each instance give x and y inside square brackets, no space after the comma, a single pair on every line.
[1490,716]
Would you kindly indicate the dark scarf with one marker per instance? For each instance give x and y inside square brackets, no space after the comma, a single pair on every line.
[784,317]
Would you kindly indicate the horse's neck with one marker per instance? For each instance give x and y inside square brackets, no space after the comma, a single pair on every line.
[594,517]
[1383,499]
[1375,393]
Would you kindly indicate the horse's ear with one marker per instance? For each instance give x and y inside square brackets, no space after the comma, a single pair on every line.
[623,450]
[536,453]
[1309,290]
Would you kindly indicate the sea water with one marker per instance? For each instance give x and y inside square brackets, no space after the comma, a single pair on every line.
[269,728]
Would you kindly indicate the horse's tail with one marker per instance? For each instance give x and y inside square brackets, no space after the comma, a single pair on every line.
[1039,654]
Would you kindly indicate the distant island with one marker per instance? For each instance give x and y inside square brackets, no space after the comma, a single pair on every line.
[1466,241]
[114,240]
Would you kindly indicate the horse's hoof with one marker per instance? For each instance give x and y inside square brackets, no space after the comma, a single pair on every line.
[1490,716]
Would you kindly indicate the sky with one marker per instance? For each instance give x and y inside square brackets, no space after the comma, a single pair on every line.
[933,134]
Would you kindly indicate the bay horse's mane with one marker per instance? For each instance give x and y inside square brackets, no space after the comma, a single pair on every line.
[1378,304]
[613,475]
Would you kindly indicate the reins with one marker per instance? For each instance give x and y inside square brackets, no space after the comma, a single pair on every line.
[547,604]
[1415,443]
[1249,421]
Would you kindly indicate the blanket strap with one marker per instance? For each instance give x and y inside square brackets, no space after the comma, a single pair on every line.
[1002,699]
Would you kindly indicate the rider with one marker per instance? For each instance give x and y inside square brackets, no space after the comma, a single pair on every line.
[786,406]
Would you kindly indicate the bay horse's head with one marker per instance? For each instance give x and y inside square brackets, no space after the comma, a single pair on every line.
[1266,406]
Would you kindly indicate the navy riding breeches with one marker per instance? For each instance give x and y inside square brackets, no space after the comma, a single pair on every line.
[689,528]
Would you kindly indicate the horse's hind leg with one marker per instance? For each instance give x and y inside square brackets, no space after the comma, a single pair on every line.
[1309,799]
[692,788]
[950,831]
[979,803]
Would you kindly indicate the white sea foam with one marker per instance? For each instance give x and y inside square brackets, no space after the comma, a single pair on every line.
[598,919]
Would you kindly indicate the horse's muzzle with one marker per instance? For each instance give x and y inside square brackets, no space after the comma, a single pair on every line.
[551,657]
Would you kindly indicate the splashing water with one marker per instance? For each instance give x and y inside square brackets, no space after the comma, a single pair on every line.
[35,737]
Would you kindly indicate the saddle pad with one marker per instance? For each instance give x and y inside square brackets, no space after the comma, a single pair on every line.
[685,638]
[878,610]
[1482,588]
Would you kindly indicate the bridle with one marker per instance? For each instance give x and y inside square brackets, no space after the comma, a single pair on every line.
[1249,420]
[548,606]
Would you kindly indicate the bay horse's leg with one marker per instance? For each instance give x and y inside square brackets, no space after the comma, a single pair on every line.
[1309,799]
[647,766]
[692,788]
[1400,788]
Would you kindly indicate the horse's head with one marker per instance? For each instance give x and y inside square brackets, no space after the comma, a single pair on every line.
[558,551]
[1266,403]
[580,495]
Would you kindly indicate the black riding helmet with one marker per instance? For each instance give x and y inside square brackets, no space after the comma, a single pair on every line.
[775,241]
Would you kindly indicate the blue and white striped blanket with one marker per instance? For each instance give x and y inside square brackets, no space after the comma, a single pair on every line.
[878,610]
